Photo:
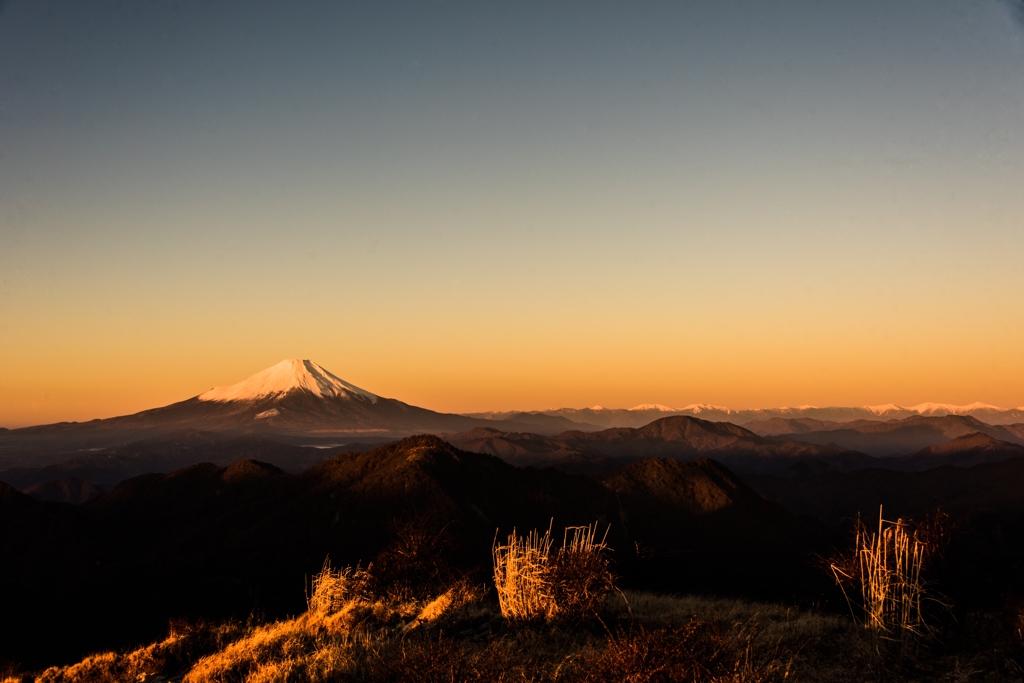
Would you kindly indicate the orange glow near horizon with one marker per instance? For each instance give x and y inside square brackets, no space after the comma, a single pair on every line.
[507,369]
[565,209]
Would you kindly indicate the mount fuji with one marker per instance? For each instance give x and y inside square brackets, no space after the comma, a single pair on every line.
[294,401]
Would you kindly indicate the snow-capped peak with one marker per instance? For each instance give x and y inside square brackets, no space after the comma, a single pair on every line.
[705,407]
[932,409]
[948,409]
[653,406]
[287,376]
[886,408]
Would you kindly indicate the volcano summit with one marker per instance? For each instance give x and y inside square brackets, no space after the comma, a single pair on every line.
[286,377]
[293,401]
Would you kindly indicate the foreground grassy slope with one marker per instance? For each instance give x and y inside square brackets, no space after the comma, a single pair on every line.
[640,637]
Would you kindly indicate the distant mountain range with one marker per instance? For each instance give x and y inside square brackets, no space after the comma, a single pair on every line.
[295,401]
[678,437]
[638,416]
[296,413]
[889,438]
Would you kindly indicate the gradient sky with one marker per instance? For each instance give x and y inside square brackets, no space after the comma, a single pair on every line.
[474,206]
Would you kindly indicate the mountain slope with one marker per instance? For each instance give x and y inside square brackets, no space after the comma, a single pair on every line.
[963,451]
[899,437]
[106,468]
[678,437]
[296,401]
[215,542]
[641,415]
[834,496]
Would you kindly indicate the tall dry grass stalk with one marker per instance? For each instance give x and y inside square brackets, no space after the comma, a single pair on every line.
[521,575]
[533,582]
[887,568]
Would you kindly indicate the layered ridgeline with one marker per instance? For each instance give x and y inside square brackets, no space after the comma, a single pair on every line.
[888,438]
[215,542]
[297,413]
[680,438]
[638,416]
[295,401]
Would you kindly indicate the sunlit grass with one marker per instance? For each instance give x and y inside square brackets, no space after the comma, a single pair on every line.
[535,581]
[886,569]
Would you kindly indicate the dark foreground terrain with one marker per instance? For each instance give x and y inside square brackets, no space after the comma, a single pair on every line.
[225,555]
[219,542]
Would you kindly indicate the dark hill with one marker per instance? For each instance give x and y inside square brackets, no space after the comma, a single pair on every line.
[783,426]
[899,437]
[214,542]
[709,505]
[963,451]
[105,468]
[834,496]
[69,490]
[679,438]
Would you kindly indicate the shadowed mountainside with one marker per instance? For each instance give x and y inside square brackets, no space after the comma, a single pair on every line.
[964,451]
[833,496]
[68,490]
[607,418]
[679,438]
[216,542]
[891,438]
[108,467]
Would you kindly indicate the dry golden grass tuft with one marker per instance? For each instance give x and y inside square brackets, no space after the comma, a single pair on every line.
[533,582]
[343,633]
[333,590]
[581,579]
[184,645]
[886,569]
[303,647]
[521,576]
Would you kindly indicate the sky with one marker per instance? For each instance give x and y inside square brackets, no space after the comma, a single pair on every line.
[496,206]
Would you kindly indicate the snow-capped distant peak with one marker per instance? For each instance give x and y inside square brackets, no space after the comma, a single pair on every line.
[948,409]
[705,407]
[285,377]
[932,409]
[886,408]
[653,406]
[597,407]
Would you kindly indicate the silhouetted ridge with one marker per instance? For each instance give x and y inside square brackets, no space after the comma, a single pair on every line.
[677,437]
[708,501]
[68,490]
[222,541]
[899,437]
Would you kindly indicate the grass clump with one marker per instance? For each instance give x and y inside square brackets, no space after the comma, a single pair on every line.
[533,582]
[886,569]
[184,645]
[333,590]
